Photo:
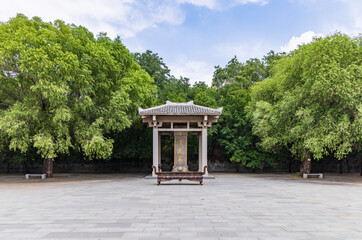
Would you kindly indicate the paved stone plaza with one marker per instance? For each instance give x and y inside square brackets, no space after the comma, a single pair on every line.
[233,206]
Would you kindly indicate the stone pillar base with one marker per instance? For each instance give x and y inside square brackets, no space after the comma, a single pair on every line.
[180,169]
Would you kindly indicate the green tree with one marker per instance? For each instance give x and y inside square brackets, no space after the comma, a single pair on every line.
[234,129]
[313,102]
[270,59]
[207,98]
[154,66]
[176,90]
[197,88]
[242,74]
[168,86]
[62,89]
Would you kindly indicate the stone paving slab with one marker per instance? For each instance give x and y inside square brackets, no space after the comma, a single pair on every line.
[232,206]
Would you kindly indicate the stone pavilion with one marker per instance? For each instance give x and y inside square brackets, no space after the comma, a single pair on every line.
[180,120]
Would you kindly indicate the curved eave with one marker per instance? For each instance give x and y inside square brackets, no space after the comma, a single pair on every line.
[180,109]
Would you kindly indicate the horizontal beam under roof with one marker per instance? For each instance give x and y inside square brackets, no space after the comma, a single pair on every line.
[179,129]
[176,119]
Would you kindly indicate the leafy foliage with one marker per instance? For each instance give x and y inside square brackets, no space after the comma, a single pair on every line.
[313,101]
[154,66]
[61,88]
[241,74]
[169,87]
[234,129]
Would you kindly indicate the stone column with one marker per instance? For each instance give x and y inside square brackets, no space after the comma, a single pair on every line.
[159,150]
[155,149]
[200,153]
[180,152]
[204,148]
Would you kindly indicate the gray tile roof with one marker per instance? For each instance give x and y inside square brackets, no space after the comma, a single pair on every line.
[171,108]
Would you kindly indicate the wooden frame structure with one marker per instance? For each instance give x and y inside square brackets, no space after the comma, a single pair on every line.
[180,119]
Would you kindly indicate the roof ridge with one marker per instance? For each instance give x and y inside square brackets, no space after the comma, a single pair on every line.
[184,108]
[181,103]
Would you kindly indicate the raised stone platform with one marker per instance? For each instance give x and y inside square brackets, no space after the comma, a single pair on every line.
[204,177]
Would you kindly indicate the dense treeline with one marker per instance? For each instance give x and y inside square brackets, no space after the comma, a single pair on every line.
[65,92]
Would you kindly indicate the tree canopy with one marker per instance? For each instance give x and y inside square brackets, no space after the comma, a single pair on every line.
[312,103]
[234,130]
[61,88]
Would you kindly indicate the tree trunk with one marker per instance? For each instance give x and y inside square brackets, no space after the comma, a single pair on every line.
[340,167]
[48,167]
[306,164]
[361,167]
[290,165]
[347,165]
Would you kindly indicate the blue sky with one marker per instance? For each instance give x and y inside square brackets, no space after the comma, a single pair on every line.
[193,36]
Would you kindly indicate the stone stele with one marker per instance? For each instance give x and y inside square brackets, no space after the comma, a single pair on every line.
[180,159]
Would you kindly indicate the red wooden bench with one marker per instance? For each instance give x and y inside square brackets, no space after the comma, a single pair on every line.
[168,176]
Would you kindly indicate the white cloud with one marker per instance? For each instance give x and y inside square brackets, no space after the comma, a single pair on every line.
[304,38]
[345,17]
[198,70]
[243,50]
[354,12]
[211,4]
[193,69]
[125,18]
[260,2]
[222,4]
